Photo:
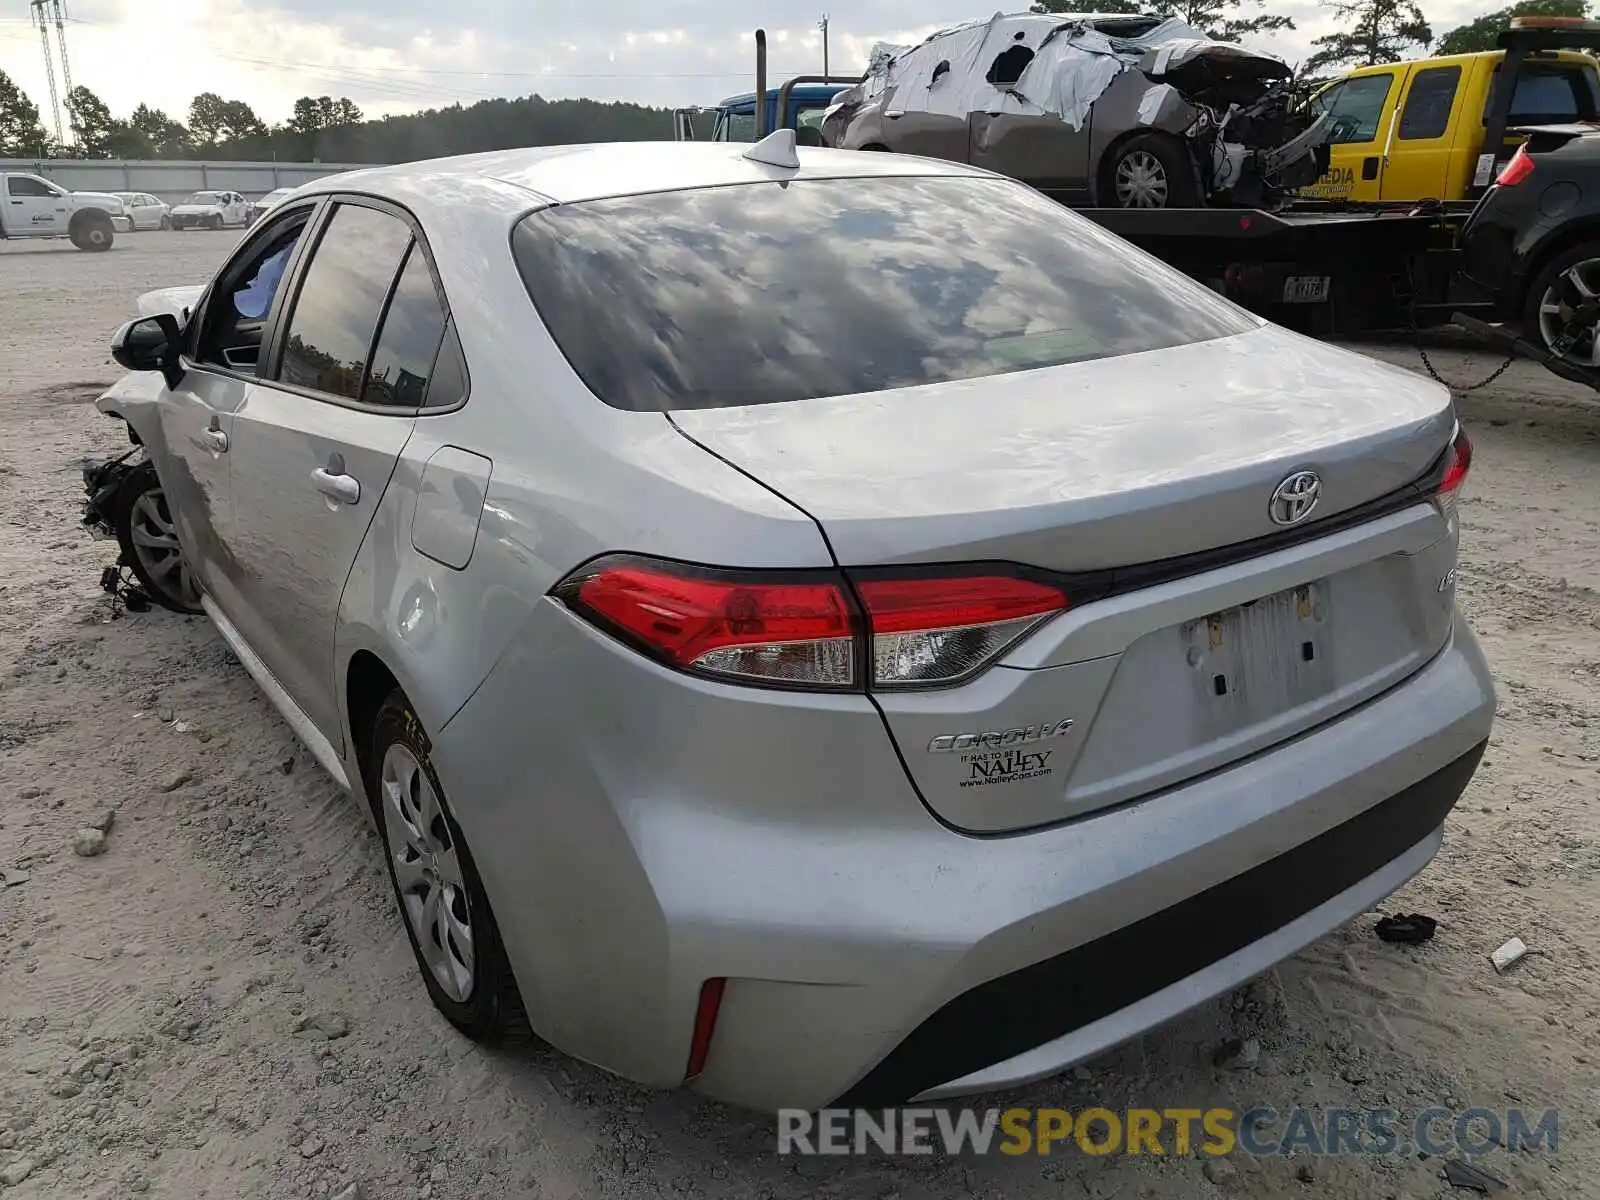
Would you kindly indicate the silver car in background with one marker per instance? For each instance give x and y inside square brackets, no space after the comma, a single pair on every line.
[835,628]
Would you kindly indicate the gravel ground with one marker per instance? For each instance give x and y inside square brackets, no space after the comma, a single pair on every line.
[221,1002]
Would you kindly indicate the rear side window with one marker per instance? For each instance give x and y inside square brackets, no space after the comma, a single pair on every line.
[1428,103]
[1357,107]
[1548,94]
[342,294]
[771,292]
[413,327]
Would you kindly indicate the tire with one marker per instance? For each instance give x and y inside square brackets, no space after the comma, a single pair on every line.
[1150,170]
[93,233]
[1540,326]
[149,541]
[214,223]
[419,834]
[166,223]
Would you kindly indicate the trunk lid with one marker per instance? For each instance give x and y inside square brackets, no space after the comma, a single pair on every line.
[1107,463]
[1119,467]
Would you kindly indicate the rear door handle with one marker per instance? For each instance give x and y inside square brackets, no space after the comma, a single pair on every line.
[215,439]
[1369,167]
[346,489]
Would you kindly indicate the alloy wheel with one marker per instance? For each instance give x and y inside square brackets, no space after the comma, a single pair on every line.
[1553,315]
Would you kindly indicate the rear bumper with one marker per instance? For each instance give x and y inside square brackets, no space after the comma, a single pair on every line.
[640,832]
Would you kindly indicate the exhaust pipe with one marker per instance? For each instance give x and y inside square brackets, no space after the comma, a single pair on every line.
[761,85]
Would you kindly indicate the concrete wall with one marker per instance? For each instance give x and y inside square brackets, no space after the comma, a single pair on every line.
[173,179]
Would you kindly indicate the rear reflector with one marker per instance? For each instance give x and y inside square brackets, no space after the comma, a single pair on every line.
[1458,462]
[705,1024]
[939,630]
[805,629]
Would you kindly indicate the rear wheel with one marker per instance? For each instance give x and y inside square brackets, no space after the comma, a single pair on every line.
[440,895]
[1151,170]
[149,540]
[1570,279]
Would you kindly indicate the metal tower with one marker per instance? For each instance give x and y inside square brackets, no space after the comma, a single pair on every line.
[41,19]
[61,38]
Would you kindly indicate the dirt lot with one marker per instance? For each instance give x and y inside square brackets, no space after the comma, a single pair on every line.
[150,996]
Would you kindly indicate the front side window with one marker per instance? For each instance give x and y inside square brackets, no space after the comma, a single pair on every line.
[1428,103]
[342,293]
[772,292]
[236,313]
[1358,108]
[25,185]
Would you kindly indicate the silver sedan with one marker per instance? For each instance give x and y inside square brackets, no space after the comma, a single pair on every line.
[822,628]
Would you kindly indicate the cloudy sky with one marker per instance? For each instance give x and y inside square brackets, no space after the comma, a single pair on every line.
[398,55]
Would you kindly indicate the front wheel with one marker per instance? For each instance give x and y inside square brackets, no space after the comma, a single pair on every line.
[1567,282]
[149,540]
[92,234]
[214,223]
[1151,170]
[166,222]
[440,895]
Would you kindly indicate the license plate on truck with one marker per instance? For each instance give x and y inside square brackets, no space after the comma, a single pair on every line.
[1306,289]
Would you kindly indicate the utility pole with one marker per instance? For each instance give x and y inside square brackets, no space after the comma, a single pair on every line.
[823,25]
[42,20]
[61,36]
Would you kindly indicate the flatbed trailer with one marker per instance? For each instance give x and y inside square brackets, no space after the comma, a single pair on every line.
[1331,270]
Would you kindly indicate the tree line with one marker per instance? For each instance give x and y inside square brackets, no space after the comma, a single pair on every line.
[334,130]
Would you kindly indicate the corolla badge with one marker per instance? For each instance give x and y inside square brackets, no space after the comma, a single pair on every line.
[1294,498]
[1000,739]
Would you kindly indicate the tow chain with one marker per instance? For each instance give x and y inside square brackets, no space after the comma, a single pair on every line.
[1464,387]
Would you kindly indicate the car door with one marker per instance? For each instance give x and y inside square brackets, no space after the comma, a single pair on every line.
[150,212]
[221,355]
[34,206]
[1417,165]
[1361,109]
[318,438]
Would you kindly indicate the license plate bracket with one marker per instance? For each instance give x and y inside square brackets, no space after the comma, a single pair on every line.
[1262,657]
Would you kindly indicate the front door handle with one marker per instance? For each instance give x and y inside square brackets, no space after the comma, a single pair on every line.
[215,439]
[346,489]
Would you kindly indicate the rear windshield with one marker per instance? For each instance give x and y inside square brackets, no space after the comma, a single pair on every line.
[768,292]
[1549,94]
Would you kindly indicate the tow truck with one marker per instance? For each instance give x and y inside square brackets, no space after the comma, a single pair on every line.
[1328,268]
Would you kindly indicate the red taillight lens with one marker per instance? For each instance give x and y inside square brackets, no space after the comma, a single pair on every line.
[1518,169]
[803,629]
[705,1024]
[938,630]
[787,630]
[1458,462]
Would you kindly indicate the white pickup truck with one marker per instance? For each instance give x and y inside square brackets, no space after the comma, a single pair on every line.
[33,207]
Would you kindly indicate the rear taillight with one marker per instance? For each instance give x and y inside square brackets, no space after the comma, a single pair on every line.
[1458,461]
[939,630]
[764,627]
[1518,169]
[812,629]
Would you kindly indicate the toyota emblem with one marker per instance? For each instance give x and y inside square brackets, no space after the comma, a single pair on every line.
[1294,498]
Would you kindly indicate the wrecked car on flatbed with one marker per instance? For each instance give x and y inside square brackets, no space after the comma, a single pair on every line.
[1107,111]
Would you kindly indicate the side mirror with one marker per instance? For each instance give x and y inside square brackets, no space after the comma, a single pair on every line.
[150,344]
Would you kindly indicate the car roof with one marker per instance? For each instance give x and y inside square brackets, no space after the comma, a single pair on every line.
[1444,60]
[569,174]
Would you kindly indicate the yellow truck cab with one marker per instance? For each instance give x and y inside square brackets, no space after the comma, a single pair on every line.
[1412,131]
